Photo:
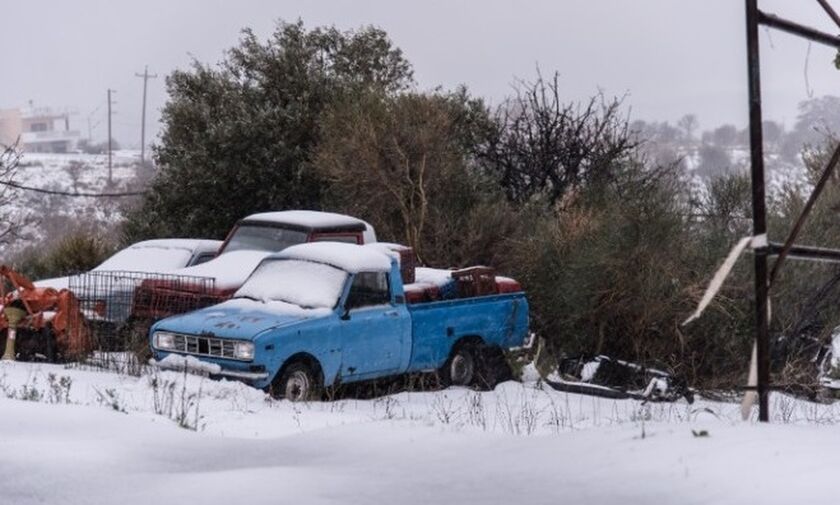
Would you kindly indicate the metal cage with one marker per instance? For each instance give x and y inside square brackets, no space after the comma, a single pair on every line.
[120,306]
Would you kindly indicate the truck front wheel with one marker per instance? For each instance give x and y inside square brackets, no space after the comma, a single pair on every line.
[297,383]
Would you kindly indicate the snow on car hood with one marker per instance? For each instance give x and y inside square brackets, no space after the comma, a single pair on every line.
[239,318]
[230,269]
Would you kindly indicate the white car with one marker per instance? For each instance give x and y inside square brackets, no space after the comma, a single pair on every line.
[160,255]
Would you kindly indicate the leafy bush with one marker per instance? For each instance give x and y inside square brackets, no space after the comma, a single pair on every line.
[77,252]
[238,138]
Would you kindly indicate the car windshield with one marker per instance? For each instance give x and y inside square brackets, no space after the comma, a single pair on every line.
[256,237]
[303,283]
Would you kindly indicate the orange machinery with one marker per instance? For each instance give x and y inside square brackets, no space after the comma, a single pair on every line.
[50,319]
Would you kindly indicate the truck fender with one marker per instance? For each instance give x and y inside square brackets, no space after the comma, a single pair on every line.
[302,357]
[466,340]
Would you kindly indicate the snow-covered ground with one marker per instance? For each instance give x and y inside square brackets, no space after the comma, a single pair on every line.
[52,215]
[94,437]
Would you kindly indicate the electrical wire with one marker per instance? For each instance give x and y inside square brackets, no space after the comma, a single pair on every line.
[71,194]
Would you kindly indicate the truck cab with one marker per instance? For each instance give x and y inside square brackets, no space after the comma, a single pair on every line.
[275,231]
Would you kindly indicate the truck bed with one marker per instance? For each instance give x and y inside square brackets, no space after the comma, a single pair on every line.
[500,319]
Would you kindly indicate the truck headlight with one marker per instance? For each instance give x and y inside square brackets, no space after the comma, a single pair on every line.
[164,340]
[243,350]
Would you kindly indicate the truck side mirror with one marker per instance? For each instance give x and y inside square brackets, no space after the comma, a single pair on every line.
[345,316]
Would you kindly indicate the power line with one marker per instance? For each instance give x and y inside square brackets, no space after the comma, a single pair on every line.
[90,128]
[72,194]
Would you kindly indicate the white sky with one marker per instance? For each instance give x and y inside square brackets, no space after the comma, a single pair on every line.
[669,57]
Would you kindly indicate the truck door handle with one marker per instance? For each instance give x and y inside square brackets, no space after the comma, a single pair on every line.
[392,313]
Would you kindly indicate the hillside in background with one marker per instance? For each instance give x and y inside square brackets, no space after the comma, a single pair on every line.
[50,217]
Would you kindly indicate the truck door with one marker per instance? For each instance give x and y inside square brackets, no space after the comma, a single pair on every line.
[374,331]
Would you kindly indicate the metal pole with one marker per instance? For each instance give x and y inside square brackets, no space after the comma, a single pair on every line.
[830,11]
[143,118]
[109,137]
[759,211]
[803,252]
[145,75]
[794,28]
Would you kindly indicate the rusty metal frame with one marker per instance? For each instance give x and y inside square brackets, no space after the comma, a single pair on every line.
[763,278]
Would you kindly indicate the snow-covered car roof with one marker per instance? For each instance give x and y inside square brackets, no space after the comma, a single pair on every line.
[189,244]
[348,257]
[158,255]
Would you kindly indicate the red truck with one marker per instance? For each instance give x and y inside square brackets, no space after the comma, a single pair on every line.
[248,243]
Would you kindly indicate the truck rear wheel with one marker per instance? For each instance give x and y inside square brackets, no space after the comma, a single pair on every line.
[297,383]
[460,368]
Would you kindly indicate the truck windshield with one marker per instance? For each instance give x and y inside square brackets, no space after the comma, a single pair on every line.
[255,237]
[302,283]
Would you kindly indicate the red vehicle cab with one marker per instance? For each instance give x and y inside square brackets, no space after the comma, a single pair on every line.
[275,231]
[251,239]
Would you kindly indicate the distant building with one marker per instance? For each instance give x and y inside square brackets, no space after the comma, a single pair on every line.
[40,130]
[10,126]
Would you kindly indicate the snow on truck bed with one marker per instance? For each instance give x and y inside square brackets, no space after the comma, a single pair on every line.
[521,444]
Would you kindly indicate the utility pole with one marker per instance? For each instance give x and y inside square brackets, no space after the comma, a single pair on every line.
[146,76]
[759,212]
[762,248]
[110,165]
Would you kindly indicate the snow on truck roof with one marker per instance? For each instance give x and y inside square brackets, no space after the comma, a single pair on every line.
[349,257]
[308,219]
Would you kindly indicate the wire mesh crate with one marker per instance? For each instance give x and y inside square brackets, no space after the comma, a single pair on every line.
[120,306]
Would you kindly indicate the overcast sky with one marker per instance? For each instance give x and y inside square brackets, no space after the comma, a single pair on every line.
[669,57]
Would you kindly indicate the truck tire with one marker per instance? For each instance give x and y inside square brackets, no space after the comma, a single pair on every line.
[461,367]
[492,368]
[297,383]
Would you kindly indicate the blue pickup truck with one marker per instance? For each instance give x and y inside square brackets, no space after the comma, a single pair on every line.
[321,314]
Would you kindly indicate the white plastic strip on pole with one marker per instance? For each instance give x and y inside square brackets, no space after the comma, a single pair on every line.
[751,395]
[723,272]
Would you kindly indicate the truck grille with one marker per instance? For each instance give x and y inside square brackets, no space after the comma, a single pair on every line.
[204,346]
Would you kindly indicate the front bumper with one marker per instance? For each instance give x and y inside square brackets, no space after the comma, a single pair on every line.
[197,366]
